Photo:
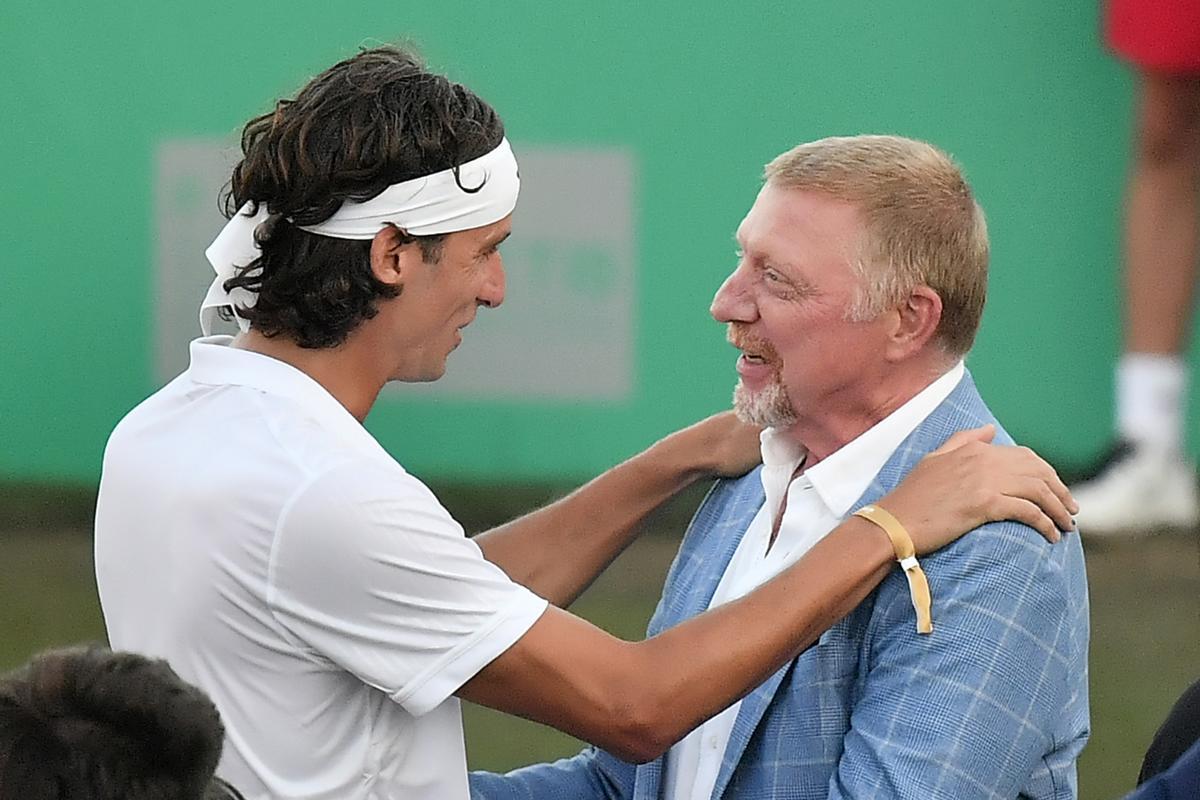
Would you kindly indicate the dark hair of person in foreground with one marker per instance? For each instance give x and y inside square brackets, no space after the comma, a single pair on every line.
[86,723]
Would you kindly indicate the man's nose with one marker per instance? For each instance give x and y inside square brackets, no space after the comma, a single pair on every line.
[733,302]
[492,293]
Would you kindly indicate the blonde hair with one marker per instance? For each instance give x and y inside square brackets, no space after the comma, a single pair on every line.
[922,224]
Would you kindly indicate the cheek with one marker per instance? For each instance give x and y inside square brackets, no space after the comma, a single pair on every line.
[823,349]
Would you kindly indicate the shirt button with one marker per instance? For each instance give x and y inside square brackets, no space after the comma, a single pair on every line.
[712,742]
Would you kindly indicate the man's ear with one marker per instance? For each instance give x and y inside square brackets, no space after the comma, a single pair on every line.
[392,253]
[917,320]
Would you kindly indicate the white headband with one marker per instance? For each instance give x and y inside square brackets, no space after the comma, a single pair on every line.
[424,206]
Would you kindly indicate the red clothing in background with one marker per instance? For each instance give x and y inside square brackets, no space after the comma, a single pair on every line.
[1160,35]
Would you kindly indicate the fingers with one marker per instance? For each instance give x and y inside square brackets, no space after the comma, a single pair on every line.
[727,446]
[1027,512]
[1005,482]
[1023,461]
[1018,462]
[1050,505]
[968,481]
[984,433]
[1048,474]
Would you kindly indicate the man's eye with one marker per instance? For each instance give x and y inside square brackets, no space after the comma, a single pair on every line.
[772,276]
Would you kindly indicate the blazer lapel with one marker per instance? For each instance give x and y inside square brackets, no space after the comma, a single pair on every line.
[706,552]
[754,705]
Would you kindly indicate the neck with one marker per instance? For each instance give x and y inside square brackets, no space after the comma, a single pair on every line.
[850,412]
[350,372]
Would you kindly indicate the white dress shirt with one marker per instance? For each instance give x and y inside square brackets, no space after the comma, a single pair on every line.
[250,531]
[818,499]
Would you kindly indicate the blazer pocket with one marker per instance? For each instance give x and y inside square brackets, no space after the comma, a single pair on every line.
[833,659]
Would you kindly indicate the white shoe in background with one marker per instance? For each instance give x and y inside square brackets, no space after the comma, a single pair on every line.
[1137,490]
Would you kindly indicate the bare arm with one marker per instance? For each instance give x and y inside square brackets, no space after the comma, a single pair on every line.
[637,699]
[557,551]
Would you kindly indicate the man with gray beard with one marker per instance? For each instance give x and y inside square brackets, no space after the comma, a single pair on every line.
[858,291]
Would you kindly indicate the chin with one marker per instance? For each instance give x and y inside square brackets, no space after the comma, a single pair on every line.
[430,377]
[425,376]
[768,407]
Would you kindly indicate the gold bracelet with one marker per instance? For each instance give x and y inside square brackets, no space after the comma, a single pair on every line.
[906,554]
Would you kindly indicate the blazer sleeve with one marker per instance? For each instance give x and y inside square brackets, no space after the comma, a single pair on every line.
[994,701]
[591,775]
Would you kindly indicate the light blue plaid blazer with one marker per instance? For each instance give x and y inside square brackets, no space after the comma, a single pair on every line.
[993,704]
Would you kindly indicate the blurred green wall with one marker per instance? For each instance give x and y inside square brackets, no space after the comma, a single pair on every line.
[701,94]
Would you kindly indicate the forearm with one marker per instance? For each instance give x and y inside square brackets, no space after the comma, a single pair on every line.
[637,699]
[557,551]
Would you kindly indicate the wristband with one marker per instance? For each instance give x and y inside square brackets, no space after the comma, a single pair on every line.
[906,554]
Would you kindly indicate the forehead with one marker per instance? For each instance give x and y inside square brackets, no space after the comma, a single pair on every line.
[790,224]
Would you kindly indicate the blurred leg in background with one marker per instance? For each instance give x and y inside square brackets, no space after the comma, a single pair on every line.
[1146,481]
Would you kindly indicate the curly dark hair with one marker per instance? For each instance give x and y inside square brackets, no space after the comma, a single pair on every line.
[360,126]
[92,724]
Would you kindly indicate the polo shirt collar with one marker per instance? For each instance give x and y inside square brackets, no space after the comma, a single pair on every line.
[215,362]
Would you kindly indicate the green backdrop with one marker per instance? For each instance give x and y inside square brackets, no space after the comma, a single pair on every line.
[702,94]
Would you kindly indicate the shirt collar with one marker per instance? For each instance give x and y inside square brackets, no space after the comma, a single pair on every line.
[843,476]
[215,362]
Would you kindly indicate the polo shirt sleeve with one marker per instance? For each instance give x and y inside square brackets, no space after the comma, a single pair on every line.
[372,573]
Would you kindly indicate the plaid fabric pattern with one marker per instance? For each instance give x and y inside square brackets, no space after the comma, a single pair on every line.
[993,704]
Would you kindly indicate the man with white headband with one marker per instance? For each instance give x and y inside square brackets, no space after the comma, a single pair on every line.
[253,533]
[431,205]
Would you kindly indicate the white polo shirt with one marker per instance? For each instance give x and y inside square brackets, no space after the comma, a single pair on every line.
[250,531]
[818,499]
